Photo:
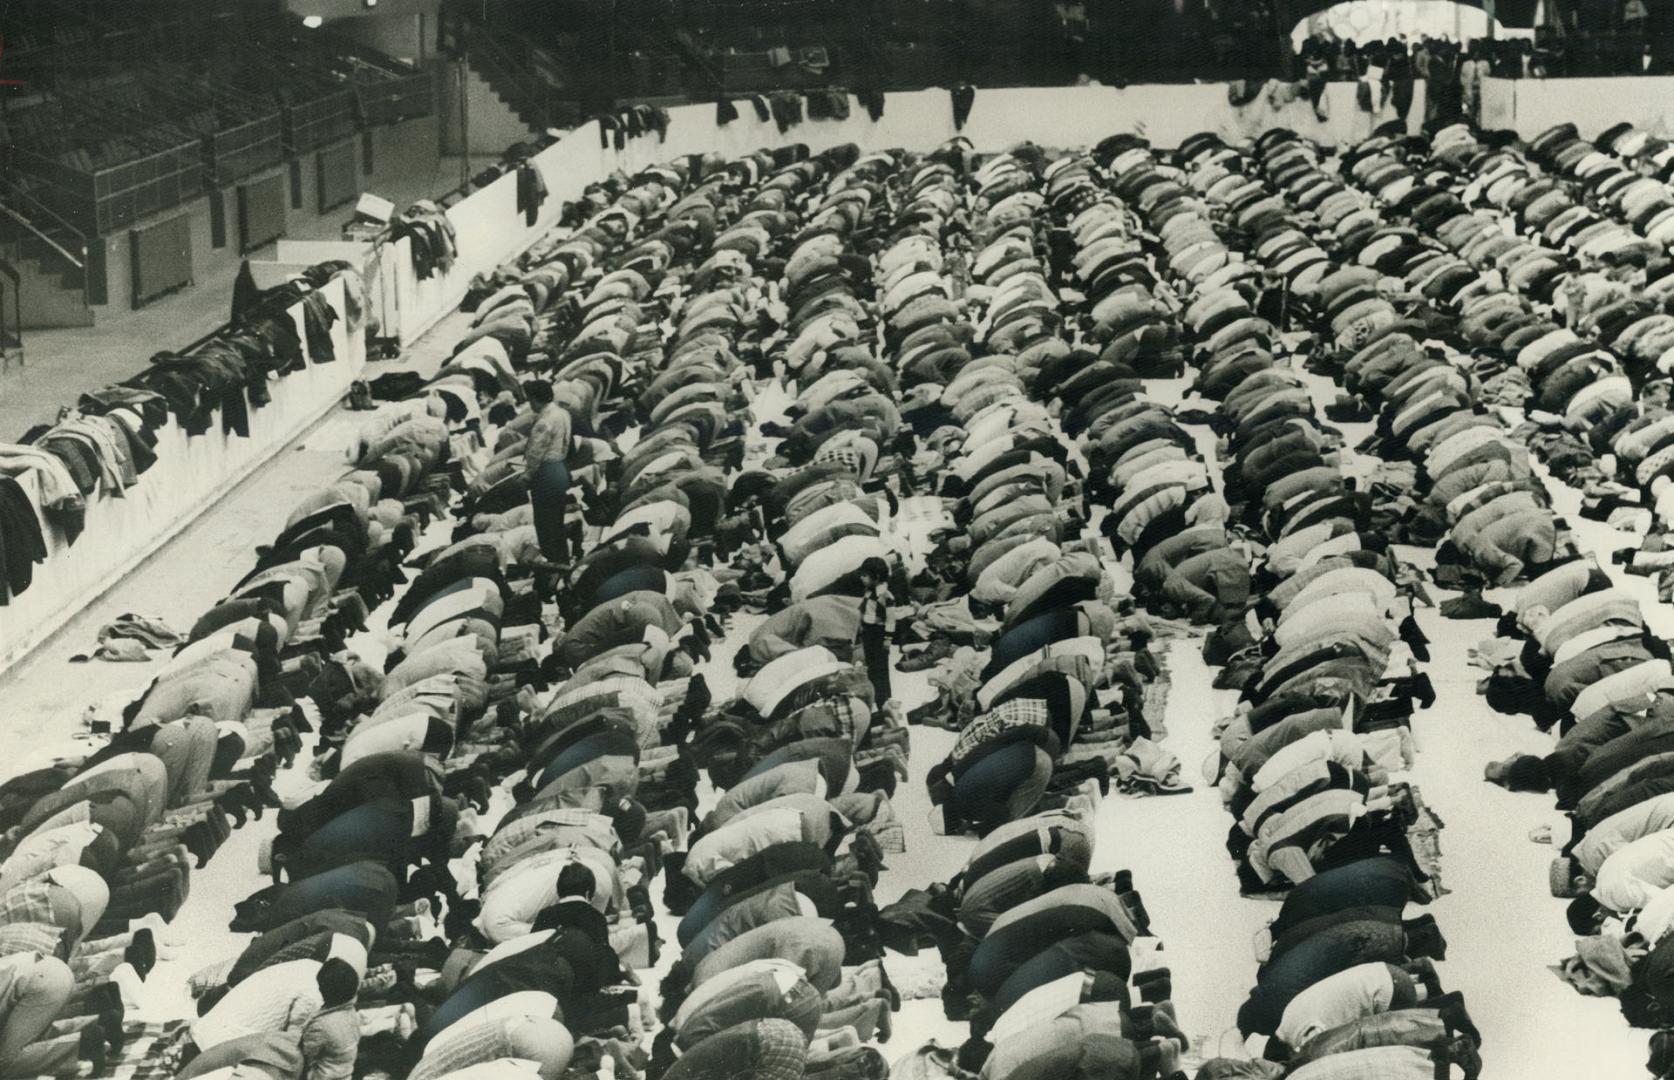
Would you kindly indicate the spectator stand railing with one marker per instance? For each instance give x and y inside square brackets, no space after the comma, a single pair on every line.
[313,118]
[241,132]
[11,324]
[100,201]
[396,98]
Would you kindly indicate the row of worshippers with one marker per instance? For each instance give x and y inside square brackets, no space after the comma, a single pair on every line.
[1569,335]
[1574,334]
[1570,332]
[1573,331]
[101,844]
[593,644]
[1036,743]
[1079,1037]
[365,829]
[1607,225]
[778,971]
[1053,964]
[338,978]
[802,764]
[817,724]
[1323,660]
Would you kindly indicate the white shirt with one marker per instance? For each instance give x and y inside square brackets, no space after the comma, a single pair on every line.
[799,540]
[479,593]
[1340,746]
[785,975]
[1623,687]
[283,997]
[1041,1005]
[663,517]
[1657,918]
[503,1068]
[1622,828]
[825,565]
[1090,648]
[1585,640]
[718,851]
[1636,872]
[402,733]
[511,904]
[1361,991]
[780,676]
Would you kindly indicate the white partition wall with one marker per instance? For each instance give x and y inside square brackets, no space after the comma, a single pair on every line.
[1530,106]
[1056,116]
[190,475]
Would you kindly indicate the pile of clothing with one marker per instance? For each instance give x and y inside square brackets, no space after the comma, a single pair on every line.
[102,447]
[431,235]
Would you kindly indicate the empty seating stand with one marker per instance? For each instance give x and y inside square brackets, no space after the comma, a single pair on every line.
[119,128]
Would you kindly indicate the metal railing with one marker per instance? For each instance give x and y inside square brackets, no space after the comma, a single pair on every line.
[25,210]
[391,100]
[99,202]
[29,227]
[319,119]
[234,153]
[11,336]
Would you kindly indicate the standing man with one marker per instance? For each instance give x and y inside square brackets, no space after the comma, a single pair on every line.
[1398,75]
[877,624]
[1635,19]
[1470,82]
[545,464]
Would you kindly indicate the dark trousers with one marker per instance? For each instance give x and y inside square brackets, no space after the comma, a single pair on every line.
[161,890]
[1031,635]
[1402,96]
[874,646]
[549,492]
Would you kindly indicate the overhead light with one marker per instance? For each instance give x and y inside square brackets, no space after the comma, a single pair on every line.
[313,22]
[371,3]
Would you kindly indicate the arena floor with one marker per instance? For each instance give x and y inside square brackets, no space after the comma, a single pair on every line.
[1502,931]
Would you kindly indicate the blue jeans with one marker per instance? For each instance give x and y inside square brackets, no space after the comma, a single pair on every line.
[1002,786]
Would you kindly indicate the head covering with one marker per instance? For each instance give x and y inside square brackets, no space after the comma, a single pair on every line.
[1661,1062]
[1607,958]
[1583,914]
[1520,772]
[1561,876]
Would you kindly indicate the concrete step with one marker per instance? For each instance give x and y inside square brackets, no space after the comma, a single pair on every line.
[46,260]
[516,103]
[50,298]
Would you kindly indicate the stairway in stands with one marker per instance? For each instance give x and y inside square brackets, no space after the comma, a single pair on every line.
[513,73]
[48,258]
[542,91]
